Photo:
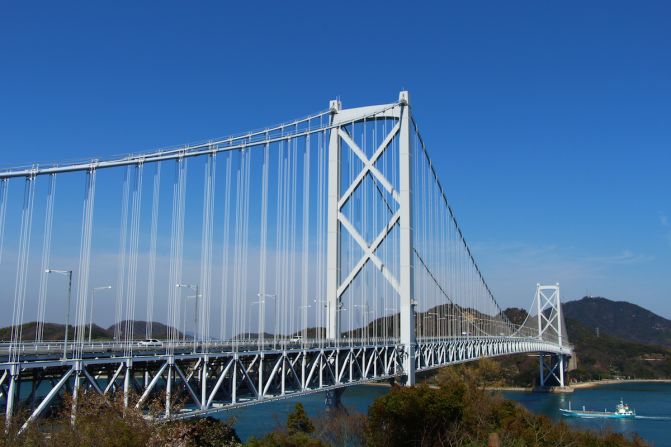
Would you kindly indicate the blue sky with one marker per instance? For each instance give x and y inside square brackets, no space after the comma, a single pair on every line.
[549,123]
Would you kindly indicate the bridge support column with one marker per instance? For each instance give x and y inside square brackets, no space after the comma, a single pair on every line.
[168,388]
[333,399]
[203,383]
[333,230]
[75,391]
[407,308]
[11,394]
[126,382]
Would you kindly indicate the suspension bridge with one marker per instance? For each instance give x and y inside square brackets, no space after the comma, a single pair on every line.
[300,258]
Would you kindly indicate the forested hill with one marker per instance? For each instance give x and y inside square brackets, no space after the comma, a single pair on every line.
[620,319]
[55,331]
[631,342]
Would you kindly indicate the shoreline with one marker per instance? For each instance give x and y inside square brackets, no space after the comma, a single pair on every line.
[595,383]
[582,385]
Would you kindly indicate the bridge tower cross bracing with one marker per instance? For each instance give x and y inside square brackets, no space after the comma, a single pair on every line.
[550,321]
[337,222]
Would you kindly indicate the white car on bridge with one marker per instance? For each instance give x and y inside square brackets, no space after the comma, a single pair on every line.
[150,343]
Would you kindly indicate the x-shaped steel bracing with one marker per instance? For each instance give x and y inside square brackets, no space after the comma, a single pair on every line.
[368,248]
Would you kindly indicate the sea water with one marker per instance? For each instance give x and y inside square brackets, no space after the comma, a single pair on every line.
[652,402]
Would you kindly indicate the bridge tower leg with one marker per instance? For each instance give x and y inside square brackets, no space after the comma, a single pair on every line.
[333,229]
[550,327]
[406,283]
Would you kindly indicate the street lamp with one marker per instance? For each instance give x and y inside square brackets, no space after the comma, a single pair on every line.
[262,315]
[363,313]
[195,316]
[436,327]
[93,297]
[67,273]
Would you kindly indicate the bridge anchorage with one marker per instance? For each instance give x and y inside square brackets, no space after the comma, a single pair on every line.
[348,267]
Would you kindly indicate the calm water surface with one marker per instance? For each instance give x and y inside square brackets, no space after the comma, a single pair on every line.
[652,401]
[648,399]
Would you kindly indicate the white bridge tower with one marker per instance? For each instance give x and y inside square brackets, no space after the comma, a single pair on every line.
[550,327]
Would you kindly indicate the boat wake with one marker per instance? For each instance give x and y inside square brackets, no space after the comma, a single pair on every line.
[654,418]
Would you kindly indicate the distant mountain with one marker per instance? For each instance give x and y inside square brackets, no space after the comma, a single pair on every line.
[56,331]
[159,330]
[50,332]
[606,355]
[619,319]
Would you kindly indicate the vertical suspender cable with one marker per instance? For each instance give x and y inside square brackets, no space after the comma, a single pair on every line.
[151,277]
[131,285]
[294,271]
[262,297]
[46,255]
[22,268]
[84,261]
[225,256]
[176,250]
[4,190]
[278,241]
[121,273]
[306,237]
[203,328]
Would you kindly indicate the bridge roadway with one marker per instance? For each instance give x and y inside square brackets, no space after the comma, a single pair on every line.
[216,376]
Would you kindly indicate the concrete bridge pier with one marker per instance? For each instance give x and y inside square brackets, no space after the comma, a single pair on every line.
[333,399]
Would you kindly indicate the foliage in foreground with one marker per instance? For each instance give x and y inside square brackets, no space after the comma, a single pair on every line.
[460,412]
[105,423]
[456,410]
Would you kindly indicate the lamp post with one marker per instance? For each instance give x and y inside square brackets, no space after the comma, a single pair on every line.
[436,327]
[195,316]
[262,314]
[304,330]
[363,313]
[67,273]
[93,297]
[440,326]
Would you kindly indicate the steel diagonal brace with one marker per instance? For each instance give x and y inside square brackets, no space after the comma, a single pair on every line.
[357,364]
[151,386]
[113,380]
[344,365]
[293,371]
[245,377]
[194,369]
[369,252]
[94,384]
[367,164]
[329,368]
[187,385]
[218,384]
[47,399]
[315,362]
[251,365]
[272,375]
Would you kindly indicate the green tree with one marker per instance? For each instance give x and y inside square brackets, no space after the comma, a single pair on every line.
[415,416]
[298,421]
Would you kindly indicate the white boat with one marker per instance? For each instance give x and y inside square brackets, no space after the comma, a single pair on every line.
[622,411]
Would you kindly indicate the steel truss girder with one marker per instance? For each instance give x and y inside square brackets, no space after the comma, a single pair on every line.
[232,379]
[246,378]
